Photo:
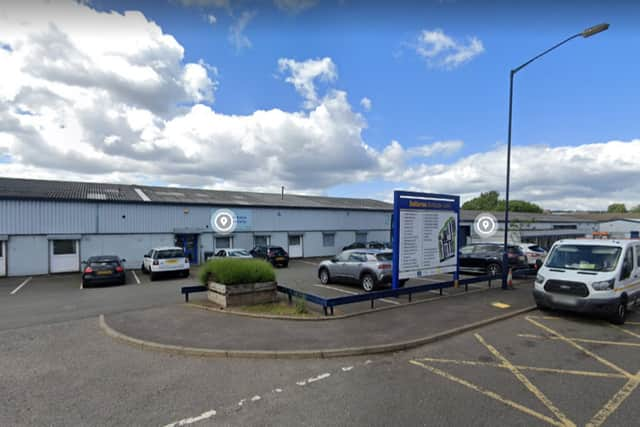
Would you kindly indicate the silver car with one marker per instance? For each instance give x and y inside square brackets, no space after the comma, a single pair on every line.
[368,267]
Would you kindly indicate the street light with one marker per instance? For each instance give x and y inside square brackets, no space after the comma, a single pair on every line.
[585,33]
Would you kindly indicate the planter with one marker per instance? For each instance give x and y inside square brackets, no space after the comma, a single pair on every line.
[242,294]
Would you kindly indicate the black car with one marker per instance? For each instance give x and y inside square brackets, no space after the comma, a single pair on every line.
[103,269]
[276,255]
[487,258]
[368,245]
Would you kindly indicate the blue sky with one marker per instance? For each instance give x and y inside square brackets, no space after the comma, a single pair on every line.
[585,93]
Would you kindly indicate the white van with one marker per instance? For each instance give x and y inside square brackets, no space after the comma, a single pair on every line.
[590,276]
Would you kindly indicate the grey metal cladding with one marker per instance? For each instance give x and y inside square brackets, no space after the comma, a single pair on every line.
[14,188]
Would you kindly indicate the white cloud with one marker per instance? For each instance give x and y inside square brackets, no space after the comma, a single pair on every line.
[304,74]
[442,51]
[236,31]
[211,19]
[203,3]
[366,103]
[586,176]
[295,6]
[446,148]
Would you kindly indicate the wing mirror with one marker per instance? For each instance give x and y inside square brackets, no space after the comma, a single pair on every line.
[146,255]
[123,260]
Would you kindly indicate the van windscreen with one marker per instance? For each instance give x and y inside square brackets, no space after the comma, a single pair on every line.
[584,257]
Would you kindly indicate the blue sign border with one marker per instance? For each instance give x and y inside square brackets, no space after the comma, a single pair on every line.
[431,201]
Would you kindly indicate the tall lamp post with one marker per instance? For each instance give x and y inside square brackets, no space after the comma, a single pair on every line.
[586,33]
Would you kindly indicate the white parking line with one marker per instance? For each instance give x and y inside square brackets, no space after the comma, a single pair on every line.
[356,293]
[307,262]
[21,285]
[135,276]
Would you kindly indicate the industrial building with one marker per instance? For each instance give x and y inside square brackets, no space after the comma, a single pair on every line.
[51,226]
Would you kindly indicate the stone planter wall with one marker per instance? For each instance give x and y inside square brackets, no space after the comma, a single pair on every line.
[242,294]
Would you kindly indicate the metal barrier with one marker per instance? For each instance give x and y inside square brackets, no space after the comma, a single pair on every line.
[329,303]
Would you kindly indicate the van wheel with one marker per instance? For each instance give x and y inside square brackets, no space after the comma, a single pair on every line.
[620,315]
[324,276]
[368,282]
[494,269]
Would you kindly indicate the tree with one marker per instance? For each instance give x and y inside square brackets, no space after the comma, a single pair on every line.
[636,209]
[490,201]
[484,202]
[617,208]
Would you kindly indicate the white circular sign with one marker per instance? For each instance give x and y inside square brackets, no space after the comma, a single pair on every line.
[485,225]
[223,221]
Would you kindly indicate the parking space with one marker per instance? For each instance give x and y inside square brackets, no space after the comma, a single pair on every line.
[556,369]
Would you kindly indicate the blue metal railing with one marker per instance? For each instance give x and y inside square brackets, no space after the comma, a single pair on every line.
[328,304]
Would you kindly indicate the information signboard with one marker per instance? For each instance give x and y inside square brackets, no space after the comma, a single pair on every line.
[425,235]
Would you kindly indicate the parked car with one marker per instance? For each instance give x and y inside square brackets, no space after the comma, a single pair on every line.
[367,267]
[103,269]
[232,253]
[533,252]
[367,245]
[276,255]
[165,260]
[596,276]
[487,258]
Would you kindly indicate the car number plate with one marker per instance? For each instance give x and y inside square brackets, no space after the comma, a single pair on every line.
[565,300]
[104,273]
[171,261]
[280,258]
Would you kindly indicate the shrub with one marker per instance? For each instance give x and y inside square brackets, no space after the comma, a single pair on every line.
[301,306]
[229,271]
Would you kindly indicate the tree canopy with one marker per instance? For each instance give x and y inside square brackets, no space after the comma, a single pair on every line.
[490,201]
[617,208]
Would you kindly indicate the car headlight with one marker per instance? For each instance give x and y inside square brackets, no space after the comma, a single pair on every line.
[604,285]
[539,279]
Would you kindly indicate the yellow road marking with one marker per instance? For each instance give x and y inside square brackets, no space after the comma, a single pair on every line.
[489,393]
[614,403]
[528,384]
[546,317]
[525,368]
[500,305]
[579,347]
[633,323]
[633,334]
[584,340]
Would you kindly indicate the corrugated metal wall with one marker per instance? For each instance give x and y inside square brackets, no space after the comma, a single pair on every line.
[47,217]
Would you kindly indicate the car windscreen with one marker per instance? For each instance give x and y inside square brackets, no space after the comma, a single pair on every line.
[239,253]
[170,253]
[584,257]
[276,251]
[386,256]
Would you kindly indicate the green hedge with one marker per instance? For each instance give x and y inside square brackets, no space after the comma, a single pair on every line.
[229,271]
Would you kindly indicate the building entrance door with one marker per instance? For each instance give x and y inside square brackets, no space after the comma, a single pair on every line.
[189,244]
[295,246]
[3,258]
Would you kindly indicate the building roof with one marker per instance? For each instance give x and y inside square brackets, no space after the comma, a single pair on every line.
[15,188]
[605,216]
[469,216]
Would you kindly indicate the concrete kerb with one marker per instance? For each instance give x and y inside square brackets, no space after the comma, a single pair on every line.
[303,354]
[334,317]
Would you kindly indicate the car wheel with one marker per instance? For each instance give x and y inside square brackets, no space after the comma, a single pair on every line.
[324,276]
[152,276]
[402,282]
[620,315]
[542,307]
[494,269]
[185,273]
[368,282]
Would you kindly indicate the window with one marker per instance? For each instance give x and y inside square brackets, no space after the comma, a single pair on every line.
[223,242]
[565,227]
[170,253]
[627,265]
[636,248]
[342,257]
[361,237]
[328,240]
[1,248]
[294,240]
[357,258]
[467,250]
[261,240]
[64,247]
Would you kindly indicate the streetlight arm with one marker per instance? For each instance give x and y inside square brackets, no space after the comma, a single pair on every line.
[515,70]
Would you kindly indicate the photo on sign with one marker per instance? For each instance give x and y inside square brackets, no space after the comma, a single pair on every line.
[447,239]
